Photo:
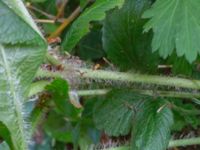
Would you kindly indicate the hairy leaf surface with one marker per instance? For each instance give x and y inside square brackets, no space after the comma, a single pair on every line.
[81,26]
[22,49]
[124,41]
[176,25]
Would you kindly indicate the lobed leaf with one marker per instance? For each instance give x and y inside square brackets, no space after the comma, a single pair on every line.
[124,41]
[176,25]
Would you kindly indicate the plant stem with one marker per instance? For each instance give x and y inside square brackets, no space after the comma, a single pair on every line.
[145,92]
[129,77]
[184,142]
[48,21]
[39,86]
[29,6]
[66,22]
[61,8]
[119,148]
[140,78]
[93,92]
[173,143]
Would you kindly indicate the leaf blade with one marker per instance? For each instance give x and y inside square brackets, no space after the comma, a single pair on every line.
[20,57]
[152,128]
[81,26]
[115,113]
[123,39]
[175,24]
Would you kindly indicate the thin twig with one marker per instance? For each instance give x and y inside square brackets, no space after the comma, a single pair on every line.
[29,6]
[66,22]
[44,21]
[61,9]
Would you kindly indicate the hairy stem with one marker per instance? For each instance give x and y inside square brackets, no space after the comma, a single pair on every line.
[173,143]
[141,91]
[39,86]
[128,77]
[140,78]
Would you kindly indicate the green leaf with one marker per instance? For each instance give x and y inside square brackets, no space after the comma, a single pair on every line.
[5,134]
[185,114]
[115,113]
[59,91]
[124,41]
[180,65]
[81,26]
[22,50]
[152,128]
[83,3]
[176,24]
[57,127]
[90,47]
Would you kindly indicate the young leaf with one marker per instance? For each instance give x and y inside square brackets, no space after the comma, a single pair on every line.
[176,24]
[123,40]
[59,91]
[115,114]
[81,26]
[22,49]
[152,128]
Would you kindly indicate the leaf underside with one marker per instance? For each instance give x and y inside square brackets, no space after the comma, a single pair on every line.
[176,25]
[21,51]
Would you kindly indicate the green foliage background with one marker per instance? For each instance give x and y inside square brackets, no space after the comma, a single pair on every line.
[42,109]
